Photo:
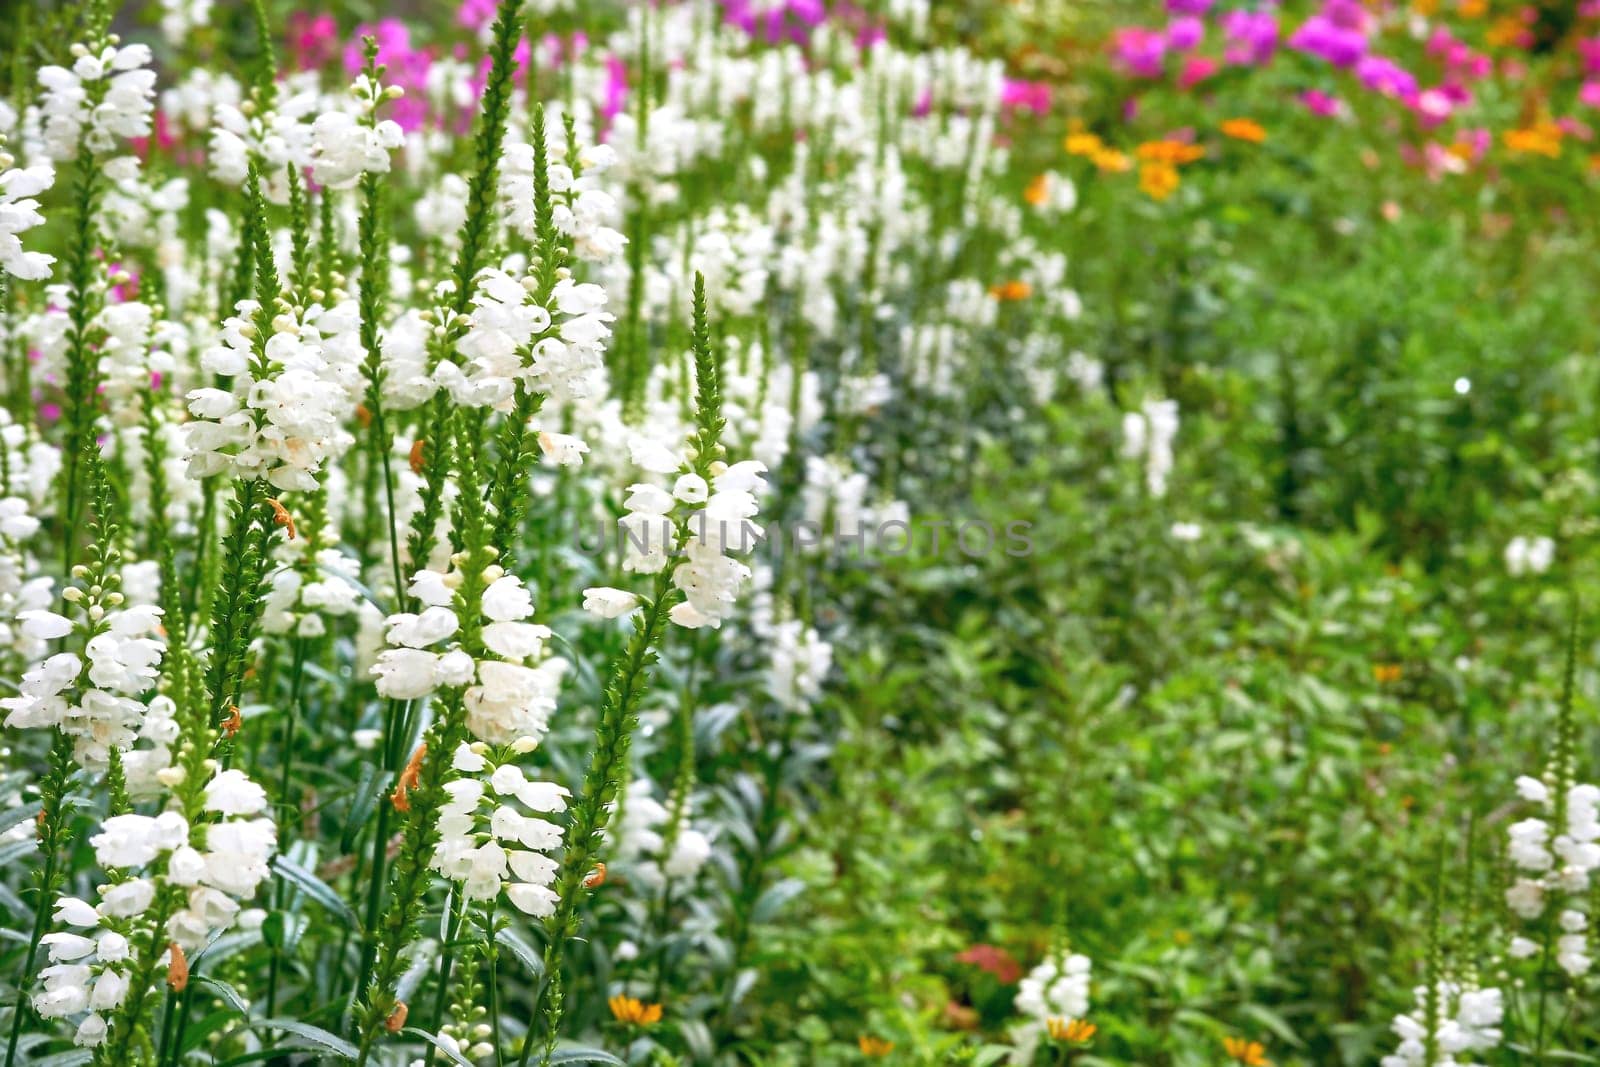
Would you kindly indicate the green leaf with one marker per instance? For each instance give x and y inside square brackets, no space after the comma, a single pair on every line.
[70,1058]
[362,801]
[433,1039]
[332,1044]
[774,897]
[229,995]
[317,890]
[16,815]
[584,1055]
[519,948]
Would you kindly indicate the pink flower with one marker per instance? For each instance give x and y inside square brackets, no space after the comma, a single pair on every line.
[1184,33]
[1018,95]
[1252,36]
[1320,103]
[1589,95]
[313,39]
[1142,52]
[475,14]
[1197,69]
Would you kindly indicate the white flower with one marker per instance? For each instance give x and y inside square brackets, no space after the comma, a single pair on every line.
[19,212]
[1529,555]
[232,792]
[124,108]
[604,602]
[343,148]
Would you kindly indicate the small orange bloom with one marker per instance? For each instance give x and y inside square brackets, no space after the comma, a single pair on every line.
[231,724]
[1508,32]
[409,779]
[397,1018]
[633,1012]
[1249,1053]
[874,1046]
[416,456]
[1038,190]
[1073,1031]
[1540,139]
[1158,180]
[1386,673]
[363,415]
[281,516]
[177,968]
[595,878]
[1472,9]
[1172,153]
[1244,130]
[1011,291]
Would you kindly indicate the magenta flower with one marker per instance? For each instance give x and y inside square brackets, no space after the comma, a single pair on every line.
[1252,37]
[313,39]
[1384,76]
[1142,52]
[475,14]
[1320,103]
[1025,95]
[1589,52]
[1329,40]
[1189,7]
[1184,33]
[1197,69]
[1589,95]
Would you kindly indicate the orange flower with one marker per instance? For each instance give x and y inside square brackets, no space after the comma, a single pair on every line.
[632,1012]
[1038,190]
[1172,153]
[1158,180]
[397,1018]
[1508,32]
[874,1046]
[1249,1053]
[410,778]
[1111,161]
[416,455]
[1074,1031]
[1386,673]
[1542,139]
[1011,291]
[231,724]
[281,516]
[1244,130]
[1472,9]
[177,968]
[1084,144]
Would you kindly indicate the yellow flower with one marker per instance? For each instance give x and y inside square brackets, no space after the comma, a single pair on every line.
[1386,673]
[1038,190]
[1075,1031]
[1111,161]
[1244,130]
[1158,180]
[1249,1053]
[632,1012]
[1083,144]
[874,1046]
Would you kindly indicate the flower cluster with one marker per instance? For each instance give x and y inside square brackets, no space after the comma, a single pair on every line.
[1560,860]
[482,849]
[1468,1022]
